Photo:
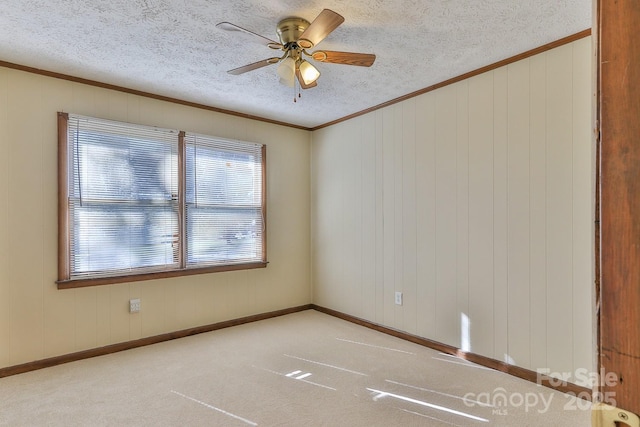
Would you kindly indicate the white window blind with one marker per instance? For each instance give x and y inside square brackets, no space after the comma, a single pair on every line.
[123,198]
[224,201]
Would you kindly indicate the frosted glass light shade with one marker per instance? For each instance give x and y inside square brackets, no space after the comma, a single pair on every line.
[287,72]
[308,72]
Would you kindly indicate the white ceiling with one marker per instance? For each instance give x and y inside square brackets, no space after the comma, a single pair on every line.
[172,47]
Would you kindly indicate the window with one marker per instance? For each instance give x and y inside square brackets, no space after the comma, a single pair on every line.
[224,218]
[139,202]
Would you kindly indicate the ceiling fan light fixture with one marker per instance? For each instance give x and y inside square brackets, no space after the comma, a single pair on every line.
[287,82]
[308,72]
[296,35]
[287,71]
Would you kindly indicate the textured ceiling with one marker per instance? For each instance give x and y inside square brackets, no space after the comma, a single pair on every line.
[172,47]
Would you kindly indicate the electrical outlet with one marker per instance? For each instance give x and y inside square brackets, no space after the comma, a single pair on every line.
[134,305]
[398,298]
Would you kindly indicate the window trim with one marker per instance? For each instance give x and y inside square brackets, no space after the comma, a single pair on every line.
[64,274]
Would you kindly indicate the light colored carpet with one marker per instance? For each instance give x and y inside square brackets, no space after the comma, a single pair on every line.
[303,369]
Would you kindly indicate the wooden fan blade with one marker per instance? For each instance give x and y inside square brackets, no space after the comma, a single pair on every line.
[346,58]
[303,85]
[254,66]
[320,28]
[249,35]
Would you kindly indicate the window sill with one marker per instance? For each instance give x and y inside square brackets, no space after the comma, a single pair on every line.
[99,281]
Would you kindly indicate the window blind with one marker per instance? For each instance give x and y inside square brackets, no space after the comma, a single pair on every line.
[123,197]
[224,202]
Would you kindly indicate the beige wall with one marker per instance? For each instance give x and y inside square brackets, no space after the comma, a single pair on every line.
[473,200]
[39,321]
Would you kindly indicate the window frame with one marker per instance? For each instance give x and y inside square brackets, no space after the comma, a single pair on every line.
[65,281]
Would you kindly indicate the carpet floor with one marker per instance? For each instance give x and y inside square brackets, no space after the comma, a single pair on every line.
[302,369]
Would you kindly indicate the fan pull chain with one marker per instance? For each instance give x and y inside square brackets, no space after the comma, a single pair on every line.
[299,90]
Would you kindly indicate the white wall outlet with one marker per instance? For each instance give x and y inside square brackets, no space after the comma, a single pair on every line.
[134,305]
[398,298]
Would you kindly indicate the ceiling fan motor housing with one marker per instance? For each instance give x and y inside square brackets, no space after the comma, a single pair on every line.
[290,29]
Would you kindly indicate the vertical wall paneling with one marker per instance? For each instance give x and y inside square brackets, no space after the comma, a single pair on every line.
[119,312]
[447,318]
[102,316]
[538,210]
[133,108]
[345,173]
[481,298]
[462,214]
[518,212]
[84,100]
[409,218]
[25,224]
[352,235]
[368,208]
[151,112]
[220,301]
[59,307]
[500,216]
[379,177]
[426,214]
[583,185]
[560,208]
[398,218]
[326,195]
[118,105]
[339,222]
[85,320]
[202,298]
[135,321]
[248,301]
[482,199]
[240,295]
[184,303]
[389,210]
[315,218]
[59,319]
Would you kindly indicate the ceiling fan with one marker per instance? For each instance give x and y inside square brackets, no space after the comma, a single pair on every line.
[296,35]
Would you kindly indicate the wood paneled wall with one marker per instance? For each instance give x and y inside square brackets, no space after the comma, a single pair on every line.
[39,321]
[476,201]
